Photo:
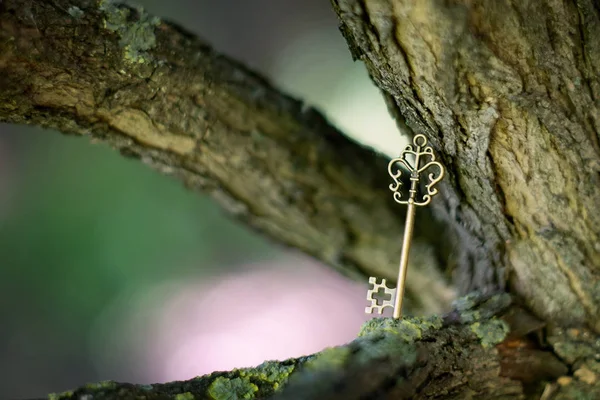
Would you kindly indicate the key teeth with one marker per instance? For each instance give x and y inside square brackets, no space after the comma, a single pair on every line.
[386,303]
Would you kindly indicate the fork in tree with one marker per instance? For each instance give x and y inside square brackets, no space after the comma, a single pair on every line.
[416,158]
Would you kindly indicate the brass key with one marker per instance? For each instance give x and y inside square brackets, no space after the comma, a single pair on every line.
[421,158]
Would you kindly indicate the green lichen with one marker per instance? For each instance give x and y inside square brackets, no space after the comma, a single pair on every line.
[467,302]
[270,373]
[330,358]
[115,16]
[75,12]
[384,346]
[477,306]
[266,379]
[491,332]
[231,389]
[60,396]
[393,338]
[574,345]
[578,391]
[184,396]
[136,36]
[571,351]
[409,329]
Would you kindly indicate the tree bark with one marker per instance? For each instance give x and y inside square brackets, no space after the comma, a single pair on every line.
[508,94]
[454,357]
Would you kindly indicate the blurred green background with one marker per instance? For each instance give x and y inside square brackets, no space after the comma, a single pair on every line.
[85,232]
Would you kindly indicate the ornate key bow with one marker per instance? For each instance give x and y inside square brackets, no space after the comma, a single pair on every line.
[416,158]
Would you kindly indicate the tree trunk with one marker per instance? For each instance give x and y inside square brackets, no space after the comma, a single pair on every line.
[507,92]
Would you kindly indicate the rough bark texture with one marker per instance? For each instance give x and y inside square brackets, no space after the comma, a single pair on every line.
[454,357]
[508,92]
[162,95]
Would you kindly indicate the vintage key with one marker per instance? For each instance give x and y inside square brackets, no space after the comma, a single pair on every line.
[416,158]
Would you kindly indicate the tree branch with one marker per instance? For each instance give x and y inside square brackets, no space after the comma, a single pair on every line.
[469,353]
[160,94]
